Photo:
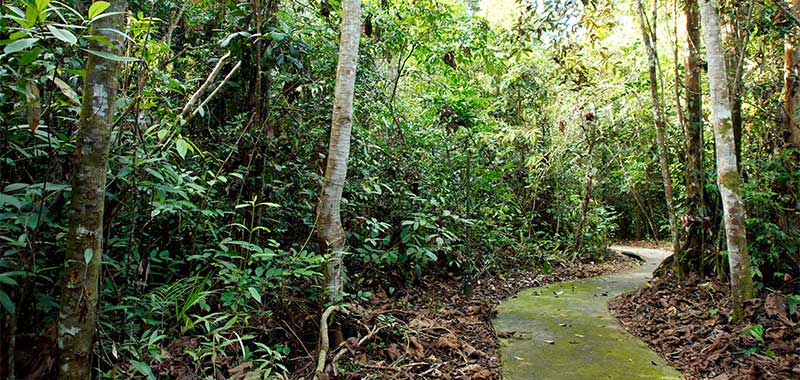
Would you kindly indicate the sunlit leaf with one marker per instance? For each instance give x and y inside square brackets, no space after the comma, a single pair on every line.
[97,8]
[62,34]
[112,57]
[20,45]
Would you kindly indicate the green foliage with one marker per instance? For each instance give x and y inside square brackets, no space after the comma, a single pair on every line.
[773,188]
[472,147]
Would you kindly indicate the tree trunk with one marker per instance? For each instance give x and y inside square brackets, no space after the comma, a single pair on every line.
[736,37]
[588,188]
[728,178]
[791,97]
[78,315]
[692,256]
[329,223]
[650,40]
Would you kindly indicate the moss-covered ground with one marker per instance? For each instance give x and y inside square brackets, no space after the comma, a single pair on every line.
[565,331]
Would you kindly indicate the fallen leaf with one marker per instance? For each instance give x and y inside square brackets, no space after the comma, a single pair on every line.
[393,352]
[472,352]
[505,334]
[775,306]
[482,374]
[415,348]
[448,340]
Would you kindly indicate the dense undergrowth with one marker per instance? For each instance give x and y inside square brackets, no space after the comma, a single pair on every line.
[472,150]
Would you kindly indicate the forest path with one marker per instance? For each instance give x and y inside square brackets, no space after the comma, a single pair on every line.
[565,331]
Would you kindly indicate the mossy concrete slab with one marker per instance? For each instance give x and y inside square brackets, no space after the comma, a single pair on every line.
[565,331]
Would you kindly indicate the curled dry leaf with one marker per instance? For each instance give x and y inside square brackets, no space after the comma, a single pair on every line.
[448,340]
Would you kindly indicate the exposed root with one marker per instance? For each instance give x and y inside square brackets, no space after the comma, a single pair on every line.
[323,337]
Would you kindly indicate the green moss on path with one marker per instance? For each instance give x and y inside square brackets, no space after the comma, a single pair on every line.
[565,331]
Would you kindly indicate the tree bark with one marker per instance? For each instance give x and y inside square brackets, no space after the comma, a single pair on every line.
[691,258]
[728,178]
[588,188]
[78,314]
[735,37]
[791,97]
[649,38]
[329,222]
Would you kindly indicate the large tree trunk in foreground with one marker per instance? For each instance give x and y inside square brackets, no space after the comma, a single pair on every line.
[691,259]
[649,39]
[791,96]
[78,315]
[329,222]
[728,178]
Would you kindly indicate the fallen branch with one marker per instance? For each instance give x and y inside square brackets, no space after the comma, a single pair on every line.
[214,93]
[324,343]
[196,96]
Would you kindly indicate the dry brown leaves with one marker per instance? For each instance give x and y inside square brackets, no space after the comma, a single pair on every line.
[688,324]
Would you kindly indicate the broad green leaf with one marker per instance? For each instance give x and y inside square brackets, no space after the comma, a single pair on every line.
[31,14]
[254,293]
[42,4]
[112,57]
[20,45]
[97,8]
[143,368]
[16,186]
[6,199]
[182,147]
[277,36]
[5,300]
[162,134]
[62,34]
[87,255]
[67,91]
[17,35]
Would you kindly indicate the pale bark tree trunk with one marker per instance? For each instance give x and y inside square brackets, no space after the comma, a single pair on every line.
[691,259]
[728,178]
[791,95]
[78,314]
[329,222]
[649,38]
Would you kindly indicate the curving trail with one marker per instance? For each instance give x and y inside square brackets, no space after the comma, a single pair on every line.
[565,331]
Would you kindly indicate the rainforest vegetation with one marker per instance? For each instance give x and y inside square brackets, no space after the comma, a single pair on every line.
[219,189]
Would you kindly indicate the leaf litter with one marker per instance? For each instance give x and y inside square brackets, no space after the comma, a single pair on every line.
[687,323]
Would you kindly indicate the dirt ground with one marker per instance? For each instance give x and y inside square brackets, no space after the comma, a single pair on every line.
[688,324]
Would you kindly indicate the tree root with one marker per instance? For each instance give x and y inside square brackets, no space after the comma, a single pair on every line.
[324,342]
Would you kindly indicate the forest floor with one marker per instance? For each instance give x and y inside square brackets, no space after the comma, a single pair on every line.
[436,332]
[688,324]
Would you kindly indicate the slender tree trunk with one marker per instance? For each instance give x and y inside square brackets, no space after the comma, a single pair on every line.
[650,40]
[78,315]
[692,256]
[588,188]
[728,178]
[736,36]
[173,24]
[791,97]
[329,222]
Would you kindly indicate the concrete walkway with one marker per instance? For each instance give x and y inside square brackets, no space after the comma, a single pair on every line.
[565,331]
